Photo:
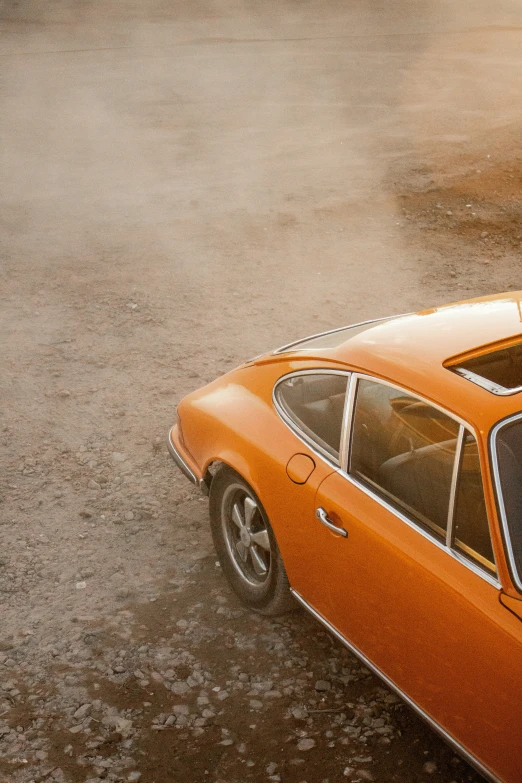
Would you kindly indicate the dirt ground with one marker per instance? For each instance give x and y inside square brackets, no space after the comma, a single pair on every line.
[184,185]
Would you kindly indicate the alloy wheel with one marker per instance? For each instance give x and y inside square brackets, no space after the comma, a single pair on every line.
[246,535]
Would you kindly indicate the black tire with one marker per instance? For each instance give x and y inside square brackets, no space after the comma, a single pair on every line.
[246,545]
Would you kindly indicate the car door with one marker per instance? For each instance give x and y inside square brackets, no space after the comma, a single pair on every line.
[412,586]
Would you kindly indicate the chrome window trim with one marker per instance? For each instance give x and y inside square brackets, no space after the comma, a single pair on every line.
[363,376]
[453,542]
[453,488]
[346,448]
[472,553]
[287,347]
[291,424]
[454,554]
[498,489]
[472,760]
[347,422]
[419,519]
[341,467]
[479,380]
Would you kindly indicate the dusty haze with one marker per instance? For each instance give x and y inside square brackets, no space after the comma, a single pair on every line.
[184,185]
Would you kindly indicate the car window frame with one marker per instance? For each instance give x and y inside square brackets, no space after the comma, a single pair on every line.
[457,543]
[447,545]
[340,465]
[504,527]
[312,444]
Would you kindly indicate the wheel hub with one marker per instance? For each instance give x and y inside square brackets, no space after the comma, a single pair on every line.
[246,536]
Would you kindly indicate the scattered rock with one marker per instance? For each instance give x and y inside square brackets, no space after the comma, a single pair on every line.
[121,725]
[322,686]
[307,743]
[180,709]
[82,711]
[364,774]
[179,688]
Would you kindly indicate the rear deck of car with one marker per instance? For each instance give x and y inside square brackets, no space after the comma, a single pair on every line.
[416,351]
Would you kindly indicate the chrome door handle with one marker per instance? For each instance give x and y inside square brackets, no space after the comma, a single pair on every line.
[322,516]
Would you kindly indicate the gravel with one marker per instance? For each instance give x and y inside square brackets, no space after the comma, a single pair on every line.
[140,261]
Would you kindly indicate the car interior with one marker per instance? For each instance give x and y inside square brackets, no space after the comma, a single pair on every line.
[316,403]
[406,448]
[471,520]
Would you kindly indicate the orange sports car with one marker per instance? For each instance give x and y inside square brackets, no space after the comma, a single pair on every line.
[374,474]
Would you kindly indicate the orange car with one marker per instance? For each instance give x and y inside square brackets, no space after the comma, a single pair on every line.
[374,473]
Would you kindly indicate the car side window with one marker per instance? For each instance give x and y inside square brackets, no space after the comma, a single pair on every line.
[471,534]
[315,404]
[404,449]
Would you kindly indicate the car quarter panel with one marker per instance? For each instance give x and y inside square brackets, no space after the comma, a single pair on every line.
[233,420]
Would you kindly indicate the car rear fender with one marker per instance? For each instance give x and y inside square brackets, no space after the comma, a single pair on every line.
[230,423]
[231,460]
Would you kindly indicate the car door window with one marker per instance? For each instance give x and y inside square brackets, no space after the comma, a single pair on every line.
[507,444]
[471,534]
[404,449]
[314,403]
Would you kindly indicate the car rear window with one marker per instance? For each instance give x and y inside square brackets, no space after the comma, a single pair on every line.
[334,338]
[314,403]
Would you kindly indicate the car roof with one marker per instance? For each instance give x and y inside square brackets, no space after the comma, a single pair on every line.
[413,350]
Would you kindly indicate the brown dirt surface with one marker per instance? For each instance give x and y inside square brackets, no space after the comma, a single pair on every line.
[185,185]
